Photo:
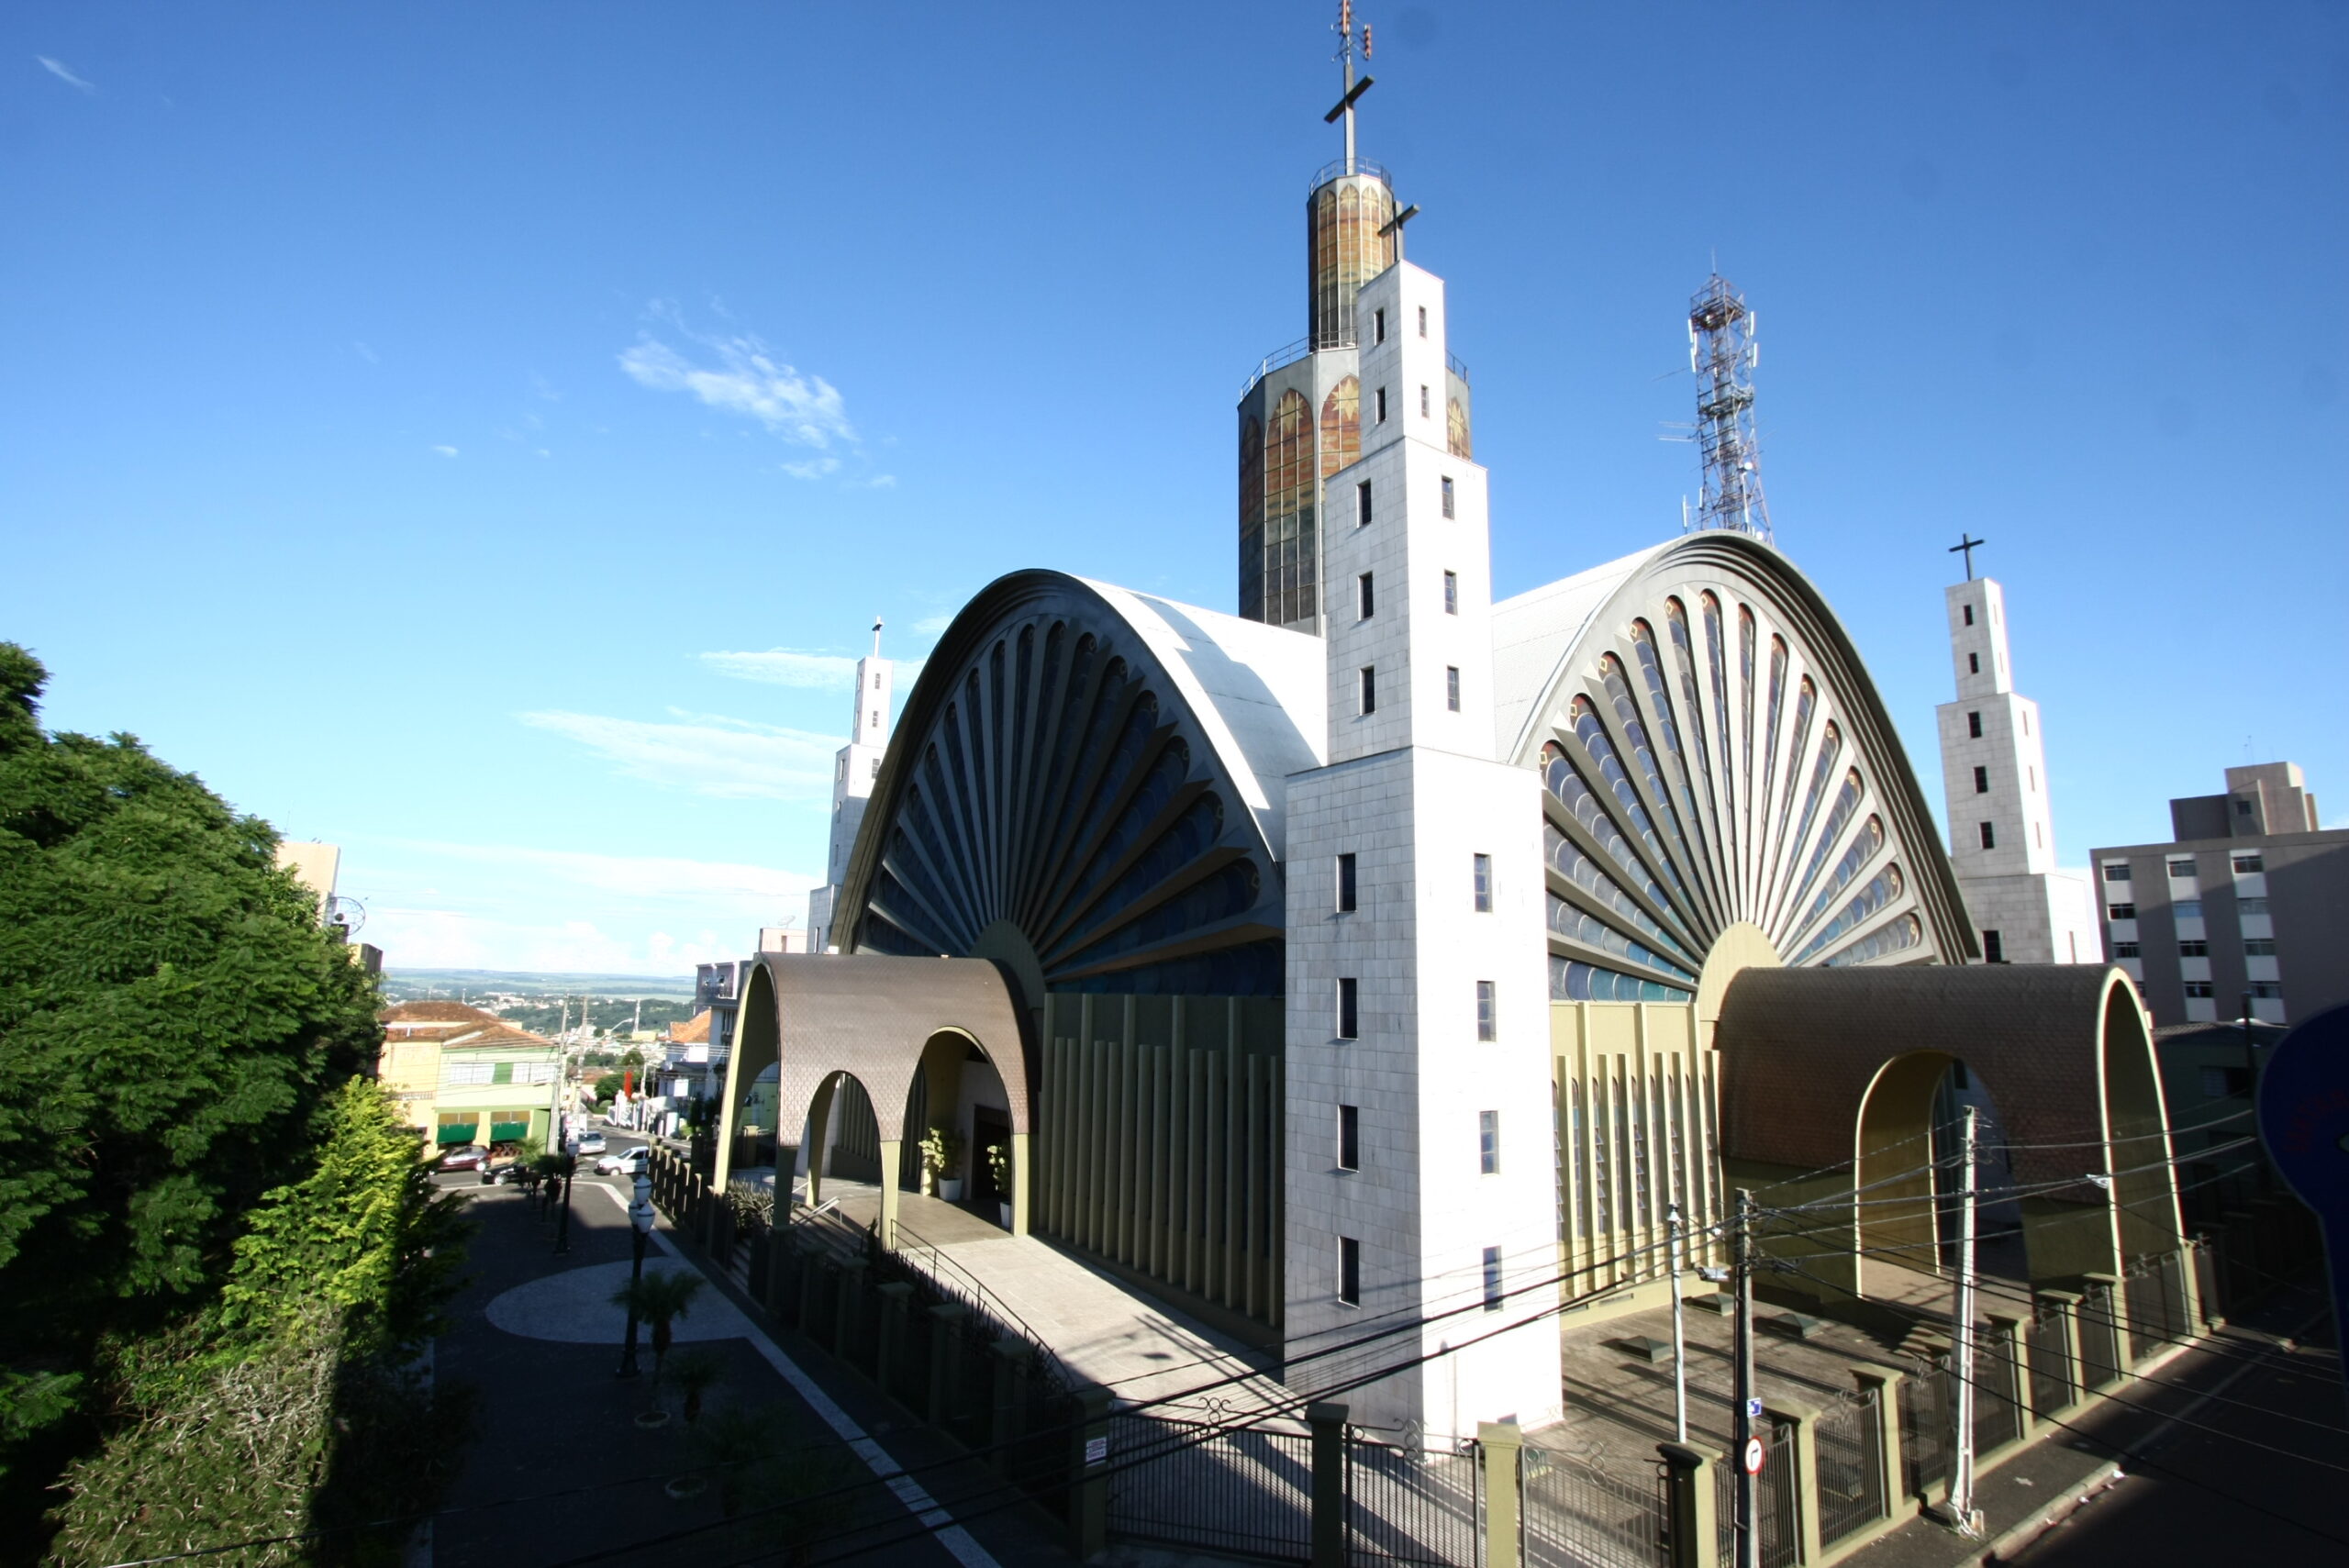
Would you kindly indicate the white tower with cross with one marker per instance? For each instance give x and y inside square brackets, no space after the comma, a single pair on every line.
[1994,782]
[855,767]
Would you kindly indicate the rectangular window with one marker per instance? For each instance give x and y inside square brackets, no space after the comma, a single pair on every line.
[1423,321]
[1487,1020]
[1423,402]
[1989,837]
[2116,871]
[1361,503]
[1974,663]
[2198,988]
[2181,868]
[1369,688]
[1451,593]
[1349,1014]
[876,767]
[2250,865]
[2267,991]
[1492,1279]
[2188,908]
[2125,950]
[2242,808]
[1382,406]
[1993,948]
[1367,601]
[1981,781]
[2259,947]
[2121,911]
[502,1073]
[1484,883]
[1345,884]
[1349,1138]
[1973,727]
[1969,614]
[2194,950]
[1378,327]
[2031,779]
[1349,1271]
[2251,906]
[2222,1083]
[1489,1142]
[1447,496]
[1452,687]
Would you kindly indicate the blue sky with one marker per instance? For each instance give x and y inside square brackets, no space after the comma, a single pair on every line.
[416,416]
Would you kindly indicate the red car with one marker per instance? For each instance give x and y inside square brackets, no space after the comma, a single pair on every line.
[470,1156]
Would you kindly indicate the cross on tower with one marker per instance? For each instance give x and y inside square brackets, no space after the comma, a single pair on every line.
[1966,545]
[1394,226]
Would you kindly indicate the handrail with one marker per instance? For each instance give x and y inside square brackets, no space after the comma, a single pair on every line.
[1339,168]
[975,1294]
[1287,354]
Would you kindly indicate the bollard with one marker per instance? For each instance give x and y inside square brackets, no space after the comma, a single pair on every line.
[1088,1503]
[1498,1445]
[1327,1422]
[1694,1540]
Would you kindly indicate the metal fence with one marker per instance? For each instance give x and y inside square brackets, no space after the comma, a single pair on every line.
[1407,1502]
[1247,1490]
[1576,1516]
[1850,1446]
[1778,1524]
[2155,1293]
[2050,1354]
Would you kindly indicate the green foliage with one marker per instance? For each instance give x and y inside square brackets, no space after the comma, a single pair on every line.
[609,1086]
[693,1376]
[172,1017]
[999,1168]
[659,1298]
[942,1151]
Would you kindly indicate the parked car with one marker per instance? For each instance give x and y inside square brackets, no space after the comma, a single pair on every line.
[470,1156]
[502,1175]
[626,1163]
[591,1143]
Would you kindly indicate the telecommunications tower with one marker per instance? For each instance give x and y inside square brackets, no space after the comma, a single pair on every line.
[1723,352]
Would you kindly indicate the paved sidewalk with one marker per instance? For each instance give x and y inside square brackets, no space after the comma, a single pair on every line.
[559,1472]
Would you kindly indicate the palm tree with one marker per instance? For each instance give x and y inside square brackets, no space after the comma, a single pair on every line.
[695,1374]
[658,1299]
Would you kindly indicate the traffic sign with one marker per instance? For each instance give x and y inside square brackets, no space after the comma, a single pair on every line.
[1754,1408]
[1754,1456]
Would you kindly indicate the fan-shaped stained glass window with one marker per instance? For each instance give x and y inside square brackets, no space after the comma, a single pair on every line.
[1898,937]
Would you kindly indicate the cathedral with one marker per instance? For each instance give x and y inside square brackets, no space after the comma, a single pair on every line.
[1387,953]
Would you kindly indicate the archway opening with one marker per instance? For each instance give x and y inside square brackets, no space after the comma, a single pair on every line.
[958,1095]
[1909,1208]
[841,1138]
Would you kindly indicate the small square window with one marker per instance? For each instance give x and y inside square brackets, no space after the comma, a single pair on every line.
[1345,884]
[2259,947]
[1378,327]
[1367,601]
[1989,837]
[2250,865]
[1493,1291]
[1452,687]
[1349,1138]
[1973,727]
[2194,950]
[1423,321]
[2125,950]
[1451,593]
[1973,661]
[1447,496]
[1969,614]
[1361,503]
[1423,402]
[1994,947]
[1369,689]
[1981,781]
[1482,873]
[2179,870]
[2121,911]
[2242,808]
[1349,1271]
[1382,406]
[1489,1142]
[1349,1014]
[2198,988]
[2116,871]
[1488,1014]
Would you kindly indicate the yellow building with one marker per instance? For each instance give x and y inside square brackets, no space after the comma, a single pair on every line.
[463,1075]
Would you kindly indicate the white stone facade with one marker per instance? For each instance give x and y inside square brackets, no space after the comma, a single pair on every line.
[1451,1252]
[854,768]
[1994,782]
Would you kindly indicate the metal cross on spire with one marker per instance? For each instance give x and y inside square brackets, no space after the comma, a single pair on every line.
[1966,545]
[1354,89]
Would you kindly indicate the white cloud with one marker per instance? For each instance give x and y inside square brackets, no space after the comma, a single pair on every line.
[931,626]
[787,667]
[57,68]
[446,451]
[367,353]
[878,482]
[747,379]
[814,468]
[706,754]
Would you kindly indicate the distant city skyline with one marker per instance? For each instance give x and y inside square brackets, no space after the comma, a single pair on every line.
[483,441]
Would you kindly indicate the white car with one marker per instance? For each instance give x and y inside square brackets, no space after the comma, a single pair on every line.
[591,1143]
[626,1163]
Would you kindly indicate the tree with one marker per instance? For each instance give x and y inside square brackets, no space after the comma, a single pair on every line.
[172,1017]
[609,1086]
[659,1300]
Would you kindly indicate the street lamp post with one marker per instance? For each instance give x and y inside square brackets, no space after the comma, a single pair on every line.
[640,1219]
[562,1220]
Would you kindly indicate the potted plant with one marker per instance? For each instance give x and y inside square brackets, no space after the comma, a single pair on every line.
[941,1156]
[998,1156]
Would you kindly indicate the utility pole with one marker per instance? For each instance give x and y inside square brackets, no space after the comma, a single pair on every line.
[1750,1446]
[1963,1516]
[1679,1335]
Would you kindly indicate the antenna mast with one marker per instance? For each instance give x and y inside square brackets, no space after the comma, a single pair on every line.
[1723,352]
[1350,91]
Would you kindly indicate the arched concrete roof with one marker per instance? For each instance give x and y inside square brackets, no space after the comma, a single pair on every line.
[1801,1048]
